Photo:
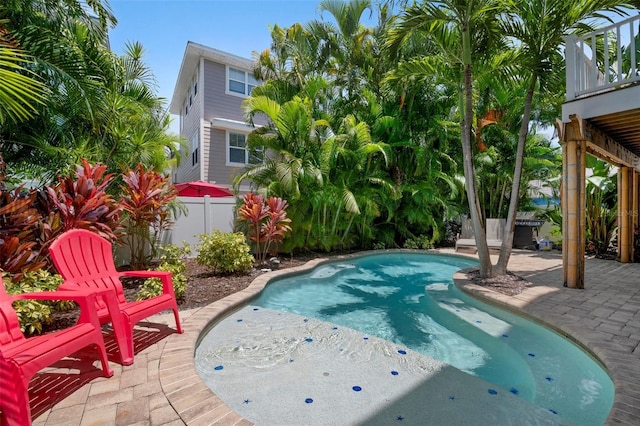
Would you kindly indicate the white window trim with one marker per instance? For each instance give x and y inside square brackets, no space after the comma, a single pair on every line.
[229,163]
[226,82]
[198,145]
[227,135]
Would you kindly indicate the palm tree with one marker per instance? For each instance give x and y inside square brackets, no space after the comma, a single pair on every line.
[462,29]
[538,28]
[20,89]
[347,43]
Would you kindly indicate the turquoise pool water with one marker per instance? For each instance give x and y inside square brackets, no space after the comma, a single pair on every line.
[410,299]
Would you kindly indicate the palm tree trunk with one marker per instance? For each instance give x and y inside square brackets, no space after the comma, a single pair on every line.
[469,170]
[509,229]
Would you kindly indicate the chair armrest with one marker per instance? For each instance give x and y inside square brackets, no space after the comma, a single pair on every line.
[165,277]
[147,274]
[78,296]
[85,299]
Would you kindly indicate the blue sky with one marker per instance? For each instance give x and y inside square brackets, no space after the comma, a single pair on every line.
[235,26]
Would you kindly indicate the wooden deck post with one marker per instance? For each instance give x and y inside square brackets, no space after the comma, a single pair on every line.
[635,210]
[573,202]
[625,214]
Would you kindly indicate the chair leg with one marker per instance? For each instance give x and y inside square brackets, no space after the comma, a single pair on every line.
[108,372]
[177,318]
[14,396]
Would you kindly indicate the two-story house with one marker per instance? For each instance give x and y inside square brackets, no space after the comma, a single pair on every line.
[208,97]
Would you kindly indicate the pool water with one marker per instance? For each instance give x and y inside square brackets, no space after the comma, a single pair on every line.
[410,299]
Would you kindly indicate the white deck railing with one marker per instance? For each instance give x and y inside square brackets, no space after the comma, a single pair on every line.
[604,59]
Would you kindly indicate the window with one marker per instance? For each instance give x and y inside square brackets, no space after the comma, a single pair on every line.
[238,151]
[195,148]
[240,82]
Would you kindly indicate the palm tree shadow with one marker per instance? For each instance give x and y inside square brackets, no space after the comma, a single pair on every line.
[400,315]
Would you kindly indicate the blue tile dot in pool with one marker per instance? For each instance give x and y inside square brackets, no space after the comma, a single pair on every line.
[531,354]
[357,388]
[479,322]
[308,400]
[239,320]
[290,359]
[492,391]
[553,411]
[452,398]
[218,367]
[505,335]
[334,328]
[457,310]
[308,339]
[246,401]
[394,373]
[514,391]
[402,352]
[399,418]
[365,338]
[256,309]
[549,379]
[306,320]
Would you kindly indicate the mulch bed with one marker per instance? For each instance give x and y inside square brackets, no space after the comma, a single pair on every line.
[509,284]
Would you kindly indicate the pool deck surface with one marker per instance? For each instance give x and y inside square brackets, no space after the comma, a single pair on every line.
[163,388]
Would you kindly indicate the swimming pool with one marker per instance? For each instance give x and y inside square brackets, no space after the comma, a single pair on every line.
[409,299]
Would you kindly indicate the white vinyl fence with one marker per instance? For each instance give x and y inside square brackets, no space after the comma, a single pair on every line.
[205,215]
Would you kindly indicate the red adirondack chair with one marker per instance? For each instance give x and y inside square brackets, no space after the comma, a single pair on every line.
[85,260]
[21,358]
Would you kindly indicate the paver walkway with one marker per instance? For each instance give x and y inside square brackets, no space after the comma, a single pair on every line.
[162,387]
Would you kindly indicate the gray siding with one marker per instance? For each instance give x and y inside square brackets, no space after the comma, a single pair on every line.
[217,104]
[187,172]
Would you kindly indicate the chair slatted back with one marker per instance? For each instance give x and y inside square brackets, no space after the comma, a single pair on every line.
[86,259]
[466,230]
[495,228]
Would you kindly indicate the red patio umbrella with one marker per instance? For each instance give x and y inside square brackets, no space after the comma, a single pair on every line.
[201,188]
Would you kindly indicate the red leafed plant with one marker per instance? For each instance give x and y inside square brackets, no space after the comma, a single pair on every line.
[146,200]
[267,220]
[19,221]
[84,203]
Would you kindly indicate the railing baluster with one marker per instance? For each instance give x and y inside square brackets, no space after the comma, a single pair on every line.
[632,47]
[607,78]
[593,81]
[570,56]
[619,43]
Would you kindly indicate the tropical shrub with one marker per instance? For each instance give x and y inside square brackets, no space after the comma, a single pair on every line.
[34,314]
[170,261]
[421,242]
[146,200]
[224,252]
[19,250]
[267,220]
[601,211]
[83,203]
